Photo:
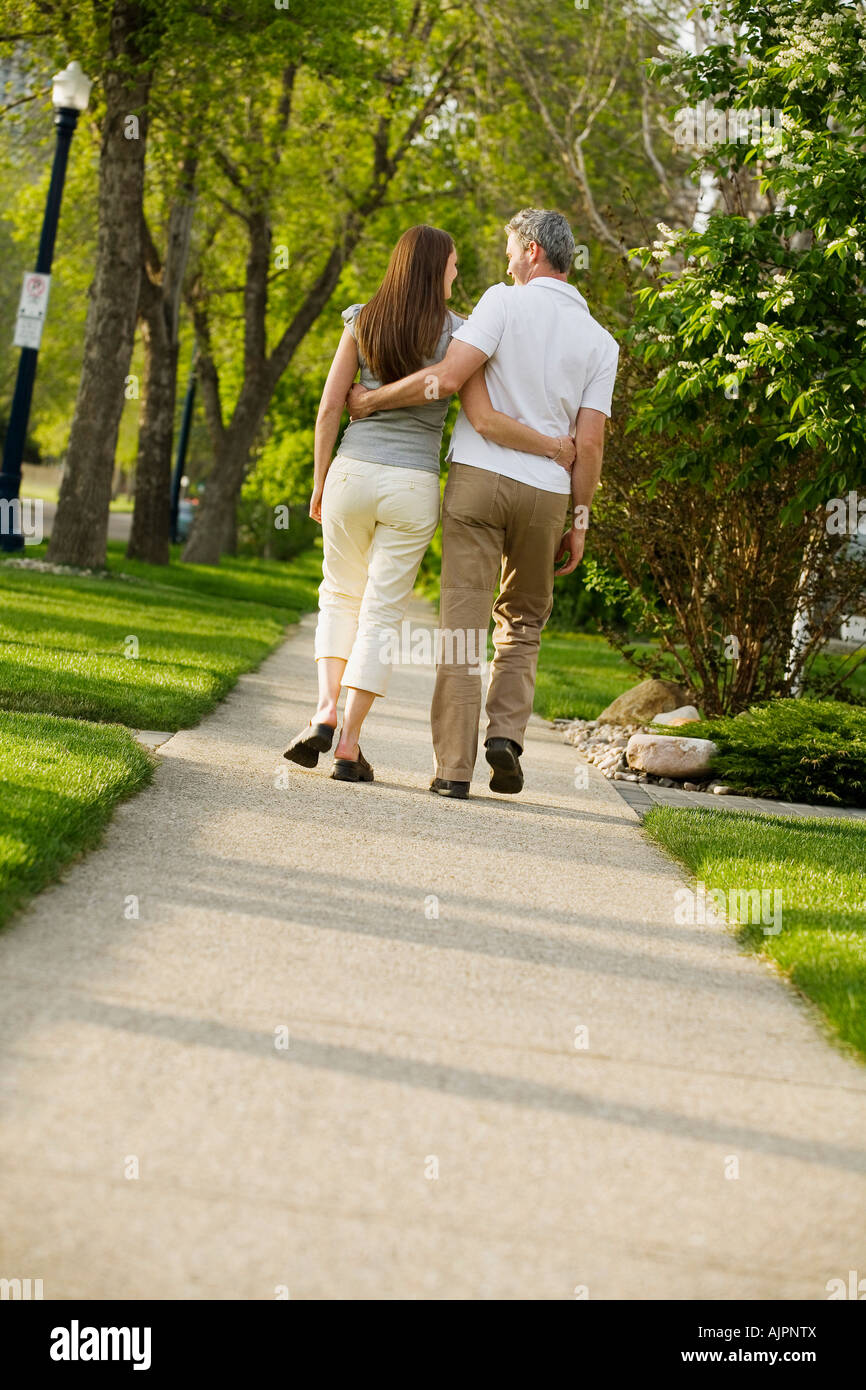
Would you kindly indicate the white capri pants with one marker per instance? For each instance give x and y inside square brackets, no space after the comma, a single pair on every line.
[377,521]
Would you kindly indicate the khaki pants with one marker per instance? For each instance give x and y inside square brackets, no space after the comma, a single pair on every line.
[377,521]
[492,528]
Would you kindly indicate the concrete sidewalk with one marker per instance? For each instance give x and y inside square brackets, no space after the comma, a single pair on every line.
[431,1130]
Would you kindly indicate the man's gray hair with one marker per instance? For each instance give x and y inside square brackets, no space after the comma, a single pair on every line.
[550,230]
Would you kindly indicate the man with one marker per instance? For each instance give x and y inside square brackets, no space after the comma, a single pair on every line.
[549,364]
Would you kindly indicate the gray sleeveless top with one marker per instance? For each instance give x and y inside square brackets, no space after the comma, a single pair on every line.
[407,438]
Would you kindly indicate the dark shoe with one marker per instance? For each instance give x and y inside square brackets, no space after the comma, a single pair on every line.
[503,755]
[306,746]
[443,787]
[352,769]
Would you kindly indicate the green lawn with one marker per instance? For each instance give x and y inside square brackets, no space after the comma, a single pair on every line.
[817,864]
[578,675]
[66,686]
[60,780]
[63,640]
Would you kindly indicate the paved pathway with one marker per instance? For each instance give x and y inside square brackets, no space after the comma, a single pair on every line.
[431,1130]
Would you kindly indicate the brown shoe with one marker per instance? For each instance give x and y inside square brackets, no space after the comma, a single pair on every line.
[443,787]
[306,746]
[503,755]
[352,769]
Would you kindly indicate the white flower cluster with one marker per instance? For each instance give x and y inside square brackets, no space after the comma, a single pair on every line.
[719,299]
[807,37]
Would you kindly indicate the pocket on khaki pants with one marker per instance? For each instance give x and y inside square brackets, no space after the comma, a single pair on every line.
[549,508]
[469,493]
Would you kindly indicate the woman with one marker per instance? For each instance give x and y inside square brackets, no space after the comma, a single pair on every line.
[378,501]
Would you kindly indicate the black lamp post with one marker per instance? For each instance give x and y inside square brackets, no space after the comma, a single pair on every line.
[183,441]
[71,94]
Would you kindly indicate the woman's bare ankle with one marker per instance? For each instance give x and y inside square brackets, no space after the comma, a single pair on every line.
[347,747]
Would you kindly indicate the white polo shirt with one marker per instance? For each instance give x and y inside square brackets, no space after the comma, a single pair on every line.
[547,359]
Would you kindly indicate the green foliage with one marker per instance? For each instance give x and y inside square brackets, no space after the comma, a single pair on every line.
[768,301]
[273,513]
[795,750]
[701,562]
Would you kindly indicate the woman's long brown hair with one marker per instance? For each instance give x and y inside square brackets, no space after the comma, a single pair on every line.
[402,324]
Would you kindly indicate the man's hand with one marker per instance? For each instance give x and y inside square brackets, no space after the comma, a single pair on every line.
[570,550]
[355,402]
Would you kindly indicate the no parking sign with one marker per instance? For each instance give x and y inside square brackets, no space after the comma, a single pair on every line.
[31,309]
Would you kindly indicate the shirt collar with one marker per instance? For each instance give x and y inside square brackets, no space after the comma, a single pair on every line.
[562,285]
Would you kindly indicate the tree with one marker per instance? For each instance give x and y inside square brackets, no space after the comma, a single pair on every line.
[366,98]
[81,524]
[586,114]
[159,315]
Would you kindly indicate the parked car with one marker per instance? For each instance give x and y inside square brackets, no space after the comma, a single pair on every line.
[185,516]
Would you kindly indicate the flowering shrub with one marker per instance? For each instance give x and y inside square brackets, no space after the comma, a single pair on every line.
[765,307]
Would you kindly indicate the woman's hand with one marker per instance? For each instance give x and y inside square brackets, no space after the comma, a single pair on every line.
[316,504]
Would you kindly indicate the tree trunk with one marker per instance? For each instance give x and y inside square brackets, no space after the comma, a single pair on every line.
[151,519]
[159,308]
[214,531]
[81,526]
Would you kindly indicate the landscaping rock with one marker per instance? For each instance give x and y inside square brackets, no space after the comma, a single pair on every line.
[643,702]
[670,756]
[686,714]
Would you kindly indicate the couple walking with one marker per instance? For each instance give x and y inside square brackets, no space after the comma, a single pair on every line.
[535,375]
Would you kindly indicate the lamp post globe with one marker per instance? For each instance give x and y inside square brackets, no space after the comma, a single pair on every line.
[71,89]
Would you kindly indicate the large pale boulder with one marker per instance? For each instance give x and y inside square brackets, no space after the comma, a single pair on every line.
[643,702]
[670,755]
